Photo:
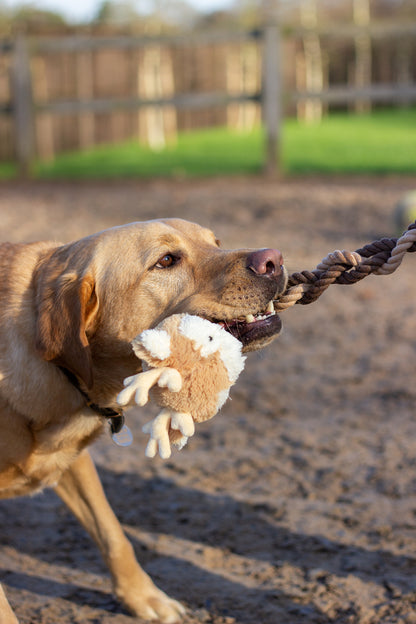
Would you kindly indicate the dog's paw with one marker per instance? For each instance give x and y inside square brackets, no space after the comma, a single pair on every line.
[156,605]
[166,609]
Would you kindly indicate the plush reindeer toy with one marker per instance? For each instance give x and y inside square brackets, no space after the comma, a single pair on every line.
[189,366]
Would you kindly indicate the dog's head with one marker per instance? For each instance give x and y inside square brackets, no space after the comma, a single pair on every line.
[95,295]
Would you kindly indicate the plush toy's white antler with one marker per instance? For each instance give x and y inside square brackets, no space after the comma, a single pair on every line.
[140,384]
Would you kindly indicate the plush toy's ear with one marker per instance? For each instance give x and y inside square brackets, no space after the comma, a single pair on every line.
[152,342]
[66,304]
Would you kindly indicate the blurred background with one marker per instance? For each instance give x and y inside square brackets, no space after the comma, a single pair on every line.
[201,87]
[298,502]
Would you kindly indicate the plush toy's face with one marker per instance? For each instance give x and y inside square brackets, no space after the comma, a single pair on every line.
[210,338]
[206,336]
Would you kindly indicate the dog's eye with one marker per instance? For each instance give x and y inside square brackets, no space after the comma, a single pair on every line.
[166,261]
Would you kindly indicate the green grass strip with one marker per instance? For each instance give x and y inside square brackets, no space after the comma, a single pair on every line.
[380,142]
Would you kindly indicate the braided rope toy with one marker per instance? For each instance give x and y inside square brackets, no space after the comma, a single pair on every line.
[380,257]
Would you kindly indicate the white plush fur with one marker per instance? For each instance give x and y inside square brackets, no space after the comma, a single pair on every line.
[156,342]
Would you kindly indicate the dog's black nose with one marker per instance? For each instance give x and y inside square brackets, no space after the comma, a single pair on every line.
[267,262]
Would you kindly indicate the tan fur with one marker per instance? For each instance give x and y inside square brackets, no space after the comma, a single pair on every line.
[199,391]
[79,306]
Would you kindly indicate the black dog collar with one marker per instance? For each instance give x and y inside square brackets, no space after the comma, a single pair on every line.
[115,417]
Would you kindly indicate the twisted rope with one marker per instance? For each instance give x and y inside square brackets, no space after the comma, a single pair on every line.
[380,257]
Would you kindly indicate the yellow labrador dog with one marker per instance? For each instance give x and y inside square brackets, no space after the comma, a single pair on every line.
[67,316]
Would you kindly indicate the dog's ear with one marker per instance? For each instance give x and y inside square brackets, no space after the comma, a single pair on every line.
[66,305]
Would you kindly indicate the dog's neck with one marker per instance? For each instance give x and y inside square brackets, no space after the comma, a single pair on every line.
[115,417]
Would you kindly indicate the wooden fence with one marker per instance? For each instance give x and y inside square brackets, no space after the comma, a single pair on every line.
[33,108]
[161,96]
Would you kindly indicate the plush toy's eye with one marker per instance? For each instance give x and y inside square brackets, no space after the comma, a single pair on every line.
[210,338]
[166,261]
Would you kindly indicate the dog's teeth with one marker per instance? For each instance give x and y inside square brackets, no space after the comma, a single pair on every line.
[250,318]
[270,308]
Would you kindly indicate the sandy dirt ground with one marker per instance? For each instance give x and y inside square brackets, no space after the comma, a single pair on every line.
[295,504]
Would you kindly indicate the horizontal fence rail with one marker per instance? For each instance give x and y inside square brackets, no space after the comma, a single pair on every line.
[380,93]
[82,43]
[180,101]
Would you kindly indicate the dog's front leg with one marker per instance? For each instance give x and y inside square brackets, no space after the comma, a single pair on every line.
[6,614]
[80,488]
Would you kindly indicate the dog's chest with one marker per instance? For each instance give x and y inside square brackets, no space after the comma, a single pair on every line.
[36,458]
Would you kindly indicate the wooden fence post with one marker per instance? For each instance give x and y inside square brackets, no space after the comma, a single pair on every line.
[272,98]
[311,110]
[22,105]
[361,17]
[44,131]
[84,67]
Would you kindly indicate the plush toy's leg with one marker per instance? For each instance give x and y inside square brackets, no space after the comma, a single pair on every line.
[170,379]
[183,422]
[140,384]
[158,428]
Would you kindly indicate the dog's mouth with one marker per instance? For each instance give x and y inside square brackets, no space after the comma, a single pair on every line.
[254,328]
